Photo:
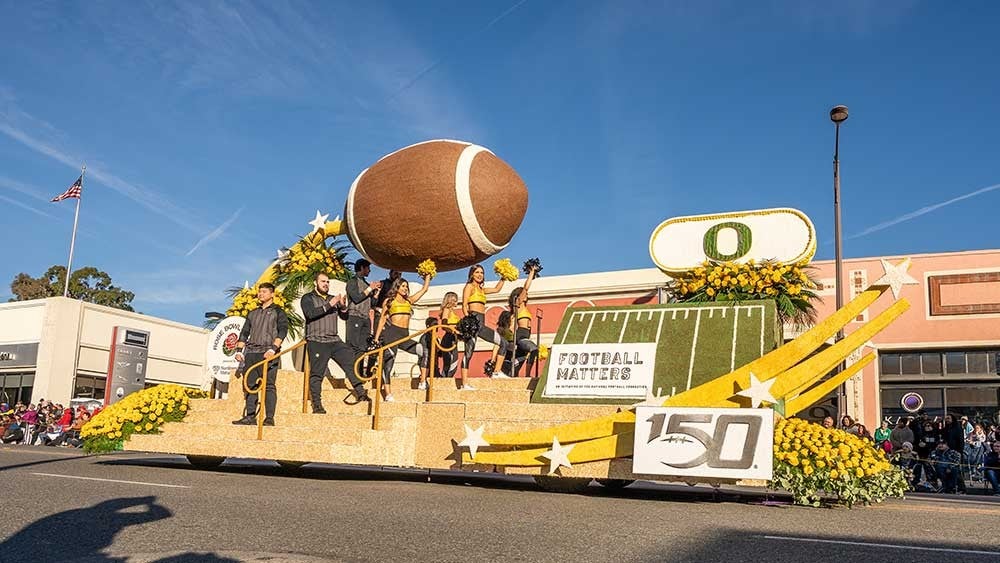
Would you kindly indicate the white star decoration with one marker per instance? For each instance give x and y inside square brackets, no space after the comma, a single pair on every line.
[282,254]
[246,284]
[473,440]
[558,456]
[652,400]
[319,222]
[758,391]
[896,277]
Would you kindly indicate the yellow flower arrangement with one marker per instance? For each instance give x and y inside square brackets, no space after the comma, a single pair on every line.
[507,271]
[246,300]
[427,269]
[810,459]
[309,258]
[788,284]
[141,412]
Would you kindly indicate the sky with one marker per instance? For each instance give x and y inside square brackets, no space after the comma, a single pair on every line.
[213,131]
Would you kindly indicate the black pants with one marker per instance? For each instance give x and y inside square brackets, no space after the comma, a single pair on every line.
[359,329]
[320,354]
[487,334]
[449,360]
[392,333]
[253,382]
[526,351]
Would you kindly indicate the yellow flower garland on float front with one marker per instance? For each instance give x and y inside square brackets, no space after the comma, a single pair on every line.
[305,256]
[141,412]
[507,271]
[810,459]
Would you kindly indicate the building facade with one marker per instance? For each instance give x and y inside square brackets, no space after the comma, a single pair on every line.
[58,349]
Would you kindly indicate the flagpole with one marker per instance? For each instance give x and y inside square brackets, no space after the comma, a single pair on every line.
[72,241]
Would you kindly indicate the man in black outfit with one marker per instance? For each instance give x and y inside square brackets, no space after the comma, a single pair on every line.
[360,301]
[322,341]
[260,339]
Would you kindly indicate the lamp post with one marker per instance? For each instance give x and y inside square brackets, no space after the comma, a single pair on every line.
[838,115]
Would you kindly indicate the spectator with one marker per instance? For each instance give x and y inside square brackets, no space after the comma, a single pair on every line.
[991,468]
[901,433]
[848,425]
[947,466]
[14,433]
[882,437]
[975,450]
[828,422]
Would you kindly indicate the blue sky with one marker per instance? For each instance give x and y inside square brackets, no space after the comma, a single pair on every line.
[213,131]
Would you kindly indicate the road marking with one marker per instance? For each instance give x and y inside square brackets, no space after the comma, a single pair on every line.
[885,545]
[112,480]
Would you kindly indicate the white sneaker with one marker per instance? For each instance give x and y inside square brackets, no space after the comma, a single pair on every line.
[389,399]
[467,387]
[422,385]
[499,375]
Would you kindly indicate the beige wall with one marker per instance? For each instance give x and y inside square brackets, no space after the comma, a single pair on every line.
[75,337]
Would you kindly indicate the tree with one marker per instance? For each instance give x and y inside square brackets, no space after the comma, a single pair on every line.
[86,284]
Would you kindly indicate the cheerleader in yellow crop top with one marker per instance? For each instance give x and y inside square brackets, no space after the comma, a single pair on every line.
[394,324]
[447,316]
[474,303]
[526,351]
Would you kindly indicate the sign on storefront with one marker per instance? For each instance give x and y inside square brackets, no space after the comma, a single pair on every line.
[704,442]
[600,371]
[18,355]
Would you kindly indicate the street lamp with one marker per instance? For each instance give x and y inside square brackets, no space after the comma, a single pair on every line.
[838,115]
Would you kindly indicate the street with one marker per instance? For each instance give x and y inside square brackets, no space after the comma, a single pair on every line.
[60,505]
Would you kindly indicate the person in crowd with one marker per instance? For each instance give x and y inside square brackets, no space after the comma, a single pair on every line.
[29,422]
[975,450]
[947,465]
[263,332]
[474,304]
[882,434]
[901,433]
[393,325]
[14,433]
[991,468]
[361,297]
[828,422]
[953,434]
[321,312]
[447,316]
[906,460]
[848,425]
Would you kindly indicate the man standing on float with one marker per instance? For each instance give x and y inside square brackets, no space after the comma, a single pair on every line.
[323,343]
[360,300]
[266,327]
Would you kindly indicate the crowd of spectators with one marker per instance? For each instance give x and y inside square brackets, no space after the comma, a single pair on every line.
[939,455]
[46,424]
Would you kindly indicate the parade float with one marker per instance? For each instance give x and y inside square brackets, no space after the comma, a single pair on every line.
[700,388]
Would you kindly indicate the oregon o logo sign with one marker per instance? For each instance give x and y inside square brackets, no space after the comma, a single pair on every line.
[681,244]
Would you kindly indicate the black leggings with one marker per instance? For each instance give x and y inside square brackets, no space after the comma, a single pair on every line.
[391,333]
[526,349]
[449,360]
[487,334]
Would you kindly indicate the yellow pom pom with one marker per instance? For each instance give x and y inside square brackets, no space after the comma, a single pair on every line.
[505,270]
[427,269]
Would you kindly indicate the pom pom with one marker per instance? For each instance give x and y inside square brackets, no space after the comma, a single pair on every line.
[468,327]
[427,269]
[374,344]
[489,367]
[505,270]
[543,352]
[533,264]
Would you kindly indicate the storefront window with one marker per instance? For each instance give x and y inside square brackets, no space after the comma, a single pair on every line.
[89,386]
[16,387]
[930,364]
[955,363]
[911,364]
[892,397]
[889,364]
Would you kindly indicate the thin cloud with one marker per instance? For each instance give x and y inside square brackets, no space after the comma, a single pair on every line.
[216,233]
[24,206]
[149,199]
[922,211]
[23,188]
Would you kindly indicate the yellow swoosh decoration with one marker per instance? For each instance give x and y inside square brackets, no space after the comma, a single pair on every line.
[331,229]
[816,393]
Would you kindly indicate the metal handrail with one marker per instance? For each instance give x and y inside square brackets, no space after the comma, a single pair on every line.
[262,387]
[380,351]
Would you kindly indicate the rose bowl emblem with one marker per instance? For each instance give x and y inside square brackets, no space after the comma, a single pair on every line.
[229,346]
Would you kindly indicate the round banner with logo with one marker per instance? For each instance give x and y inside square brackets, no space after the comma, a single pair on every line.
[911,402]
[220,361]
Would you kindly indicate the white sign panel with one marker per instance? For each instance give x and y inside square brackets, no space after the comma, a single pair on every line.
[681,244]
[600,371]
[704,442]
[220,361]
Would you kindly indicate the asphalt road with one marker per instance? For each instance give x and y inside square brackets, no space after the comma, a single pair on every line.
[59,505]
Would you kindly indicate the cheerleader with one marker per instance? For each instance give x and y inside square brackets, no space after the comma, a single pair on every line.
[474,305]
[447,316]
[393,324]
[526,351]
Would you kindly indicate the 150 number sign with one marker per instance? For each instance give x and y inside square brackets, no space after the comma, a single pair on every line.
[703,442]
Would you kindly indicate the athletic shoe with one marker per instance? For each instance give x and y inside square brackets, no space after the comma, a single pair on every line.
[467,387]
[422,385]
[319,410]
[246,421]
[389,399]
[268,422]
[499,375]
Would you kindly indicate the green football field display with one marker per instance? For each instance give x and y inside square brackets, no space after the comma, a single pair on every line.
[609,355]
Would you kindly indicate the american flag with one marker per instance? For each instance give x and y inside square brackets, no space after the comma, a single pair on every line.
[73,191]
